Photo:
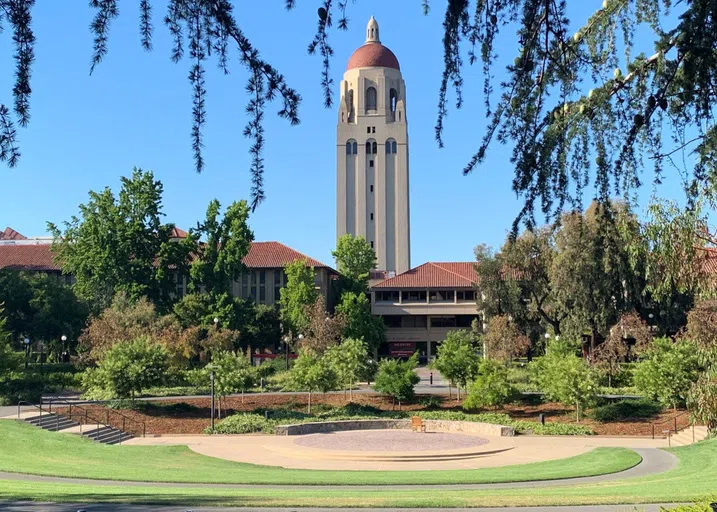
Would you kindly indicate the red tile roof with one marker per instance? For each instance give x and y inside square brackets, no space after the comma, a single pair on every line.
[434,275]
[28,257]
[10,234]
[178,233]
[40,257]
[275,255]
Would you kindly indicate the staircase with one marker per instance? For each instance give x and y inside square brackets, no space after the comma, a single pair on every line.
[91,428]
[687,436]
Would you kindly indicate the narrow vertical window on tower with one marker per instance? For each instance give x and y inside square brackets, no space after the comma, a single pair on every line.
[374,148]
[368,147]
[371,98]
[393,100]
[350,101]
[388,147]
[355,148]
[394,147]
[348,148]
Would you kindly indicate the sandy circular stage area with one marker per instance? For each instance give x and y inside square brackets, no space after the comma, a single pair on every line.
[389,441]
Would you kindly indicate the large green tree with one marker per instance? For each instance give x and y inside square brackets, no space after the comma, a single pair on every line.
[458,359]
[43,308]
[298,294]
[355,308]
[120,244]
[355,258]
[225,243]
[591,275]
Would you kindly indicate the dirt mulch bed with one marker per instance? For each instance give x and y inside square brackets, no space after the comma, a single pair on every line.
[191,415]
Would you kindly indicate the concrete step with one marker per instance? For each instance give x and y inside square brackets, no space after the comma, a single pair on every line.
[687,436]
[107,435]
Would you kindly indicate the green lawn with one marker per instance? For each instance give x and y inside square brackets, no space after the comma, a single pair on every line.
[695,479]
[27,449]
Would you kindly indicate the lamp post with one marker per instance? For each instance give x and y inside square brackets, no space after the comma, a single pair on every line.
[64,352]
[26,341]
[287,339]
[211,388]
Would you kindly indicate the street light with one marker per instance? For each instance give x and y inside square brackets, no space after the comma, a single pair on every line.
[64,352]
[211,387]
[547,335]
[216,321]
[26,341]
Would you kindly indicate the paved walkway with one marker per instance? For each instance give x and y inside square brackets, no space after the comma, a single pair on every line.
[654,461]
[28,506]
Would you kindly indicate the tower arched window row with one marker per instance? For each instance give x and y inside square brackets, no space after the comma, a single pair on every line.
[351,147]
[391,146]
[371,147]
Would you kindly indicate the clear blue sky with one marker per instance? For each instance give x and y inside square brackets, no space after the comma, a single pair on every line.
[135,110]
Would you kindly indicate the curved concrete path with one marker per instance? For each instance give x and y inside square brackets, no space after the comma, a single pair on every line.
[654,461]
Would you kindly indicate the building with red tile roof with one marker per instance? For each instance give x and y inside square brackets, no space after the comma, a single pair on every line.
[420,306]
[262,282]
[10,234]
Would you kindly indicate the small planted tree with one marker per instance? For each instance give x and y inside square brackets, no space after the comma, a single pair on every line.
[609,355]
[457,359]
[668,372]
[566,378]
[491,387]
[503,341]
[347,360]
[128,368]
[312,373]
[232,373]
[397,378]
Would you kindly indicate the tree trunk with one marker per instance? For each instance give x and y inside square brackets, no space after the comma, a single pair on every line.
[578,410]
[309,410]
[242,396]
[593,342]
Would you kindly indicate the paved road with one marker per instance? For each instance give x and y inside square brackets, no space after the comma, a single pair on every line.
[654,461]
[26,506]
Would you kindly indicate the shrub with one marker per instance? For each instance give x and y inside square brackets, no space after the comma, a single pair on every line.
[491,387]
[430,401]
[625,409]
[244,424]
[126,369]
[698,507]
[17,386]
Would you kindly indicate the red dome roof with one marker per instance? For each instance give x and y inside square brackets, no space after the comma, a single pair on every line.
[373,55]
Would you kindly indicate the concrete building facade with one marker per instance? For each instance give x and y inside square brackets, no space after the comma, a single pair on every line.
[420,307]
[372,154]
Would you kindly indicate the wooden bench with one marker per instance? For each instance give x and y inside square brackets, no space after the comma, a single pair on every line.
[417,424]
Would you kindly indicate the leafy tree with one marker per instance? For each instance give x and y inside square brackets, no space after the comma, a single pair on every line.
[122,322]
[232,373]
[503,341]
[397,378]
[355,308]
[457,359]
[668,372]
[218,262]
[496,295]
[41,307]
[9,360]
[119,244]
[323,330]
[615,349]
[491,387]
[128,368]
[56,312]
[565,378]
[296,296]
[261,327]
[528,259]
[702,325]
[355,258]
[348,360]
[591,274]
[702,400]
[312,373]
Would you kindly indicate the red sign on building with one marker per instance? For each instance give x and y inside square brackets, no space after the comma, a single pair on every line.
[401,348]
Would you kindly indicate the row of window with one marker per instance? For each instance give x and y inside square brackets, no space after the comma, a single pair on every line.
[371,98]
[371,147]
[420,295]
[421,321]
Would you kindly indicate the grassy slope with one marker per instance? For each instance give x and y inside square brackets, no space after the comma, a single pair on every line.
[26,449]
[693,480]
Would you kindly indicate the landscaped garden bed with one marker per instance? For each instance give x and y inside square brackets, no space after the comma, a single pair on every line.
[191,415]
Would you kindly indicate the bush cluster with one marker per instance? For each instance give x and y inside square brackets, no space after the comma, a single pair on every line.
[626,409]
